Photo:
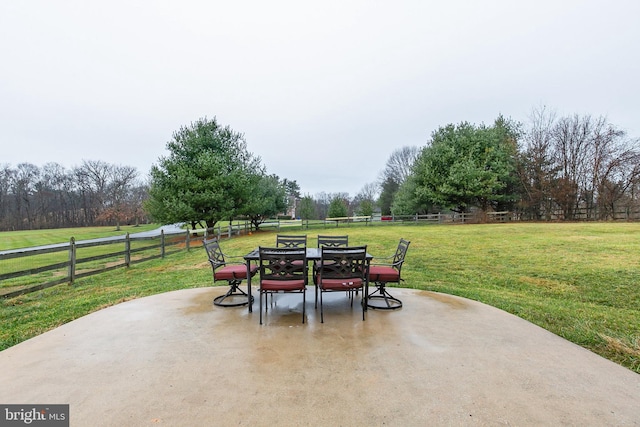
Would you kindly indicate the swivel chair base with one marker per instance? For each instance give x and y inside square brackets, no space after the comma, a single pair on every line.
[380,299]
[235,297]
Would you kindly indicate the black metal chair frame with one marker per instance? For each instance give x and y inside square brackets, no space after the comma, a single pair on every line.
[343,264]
[291,241]
[381,293]
[283,265]
[217,260]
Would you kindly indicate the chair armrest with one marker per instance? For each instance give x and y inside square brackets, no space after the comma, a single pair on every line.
[238,257]
[382,265]
[387,264]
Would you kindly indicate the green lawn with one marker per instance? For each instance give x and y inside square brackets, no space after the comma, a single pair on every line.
[578,280]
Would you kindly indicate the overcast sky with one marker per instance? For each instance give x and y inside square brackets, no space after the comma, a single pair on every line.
[323,91]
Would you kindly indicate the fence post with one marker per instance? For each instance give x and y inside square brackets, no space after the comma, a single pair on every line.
[188,240]
[72,260]
[127,251]
[162,243]
[219,233]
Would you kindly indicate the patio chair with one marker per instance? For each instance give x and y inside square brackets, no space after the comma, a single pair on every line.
[282,270]
[343,269]
[232,273]
[384,273]
[289,241]
[331,242]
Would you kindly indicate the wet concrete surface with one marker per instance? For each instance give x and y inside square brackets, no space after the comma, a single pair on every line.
[175,359]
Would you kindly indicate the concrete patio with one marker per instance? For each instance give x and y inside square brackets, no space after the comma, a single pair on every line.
[175,359]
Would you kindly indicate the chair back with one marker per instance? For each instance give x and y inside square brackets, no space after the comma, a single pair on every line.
[216,257]
[343,263]
[401,252]
[283,264]
[333,241]
[289,241]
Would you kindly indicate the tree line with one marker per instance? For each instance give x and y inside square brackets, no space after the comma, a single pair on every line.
[51,196]
[568,168]
[571,167]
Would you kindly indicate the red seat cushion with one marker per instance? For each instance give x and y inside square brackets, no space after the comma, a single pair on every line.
[231,272]
[340,284]
[282,285]
[382,273]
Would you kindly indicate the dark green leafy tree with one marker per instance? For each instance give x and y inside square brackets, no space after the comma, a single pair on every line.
[509,133]
[292,188]
[467,165]
[208,176]
[405,201]
[365,208]
[307,208]
[268,199]
[338,206]
[389,190]
[293,193]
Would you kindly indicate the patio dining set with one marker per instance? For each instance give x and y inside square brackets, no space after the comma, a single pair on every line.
[333,264]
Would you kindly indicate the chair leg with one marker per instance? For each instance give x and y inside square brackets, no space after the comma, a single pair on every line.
[321,309]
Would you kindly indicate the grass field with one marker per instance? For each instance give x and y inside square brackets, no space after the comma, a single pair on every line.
[578,280]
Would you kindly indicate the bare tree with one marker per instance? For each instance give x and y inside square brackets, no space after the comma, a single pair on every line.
[368,192]
[582,165]
[92,178]
[49,196]
[322,201]
[121,180]
[24,187]
[572,137]
[616,169]
[598,160]
[397,169]
[364,202]
[537,169]
[135,201]
[399,164]
[6,179]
